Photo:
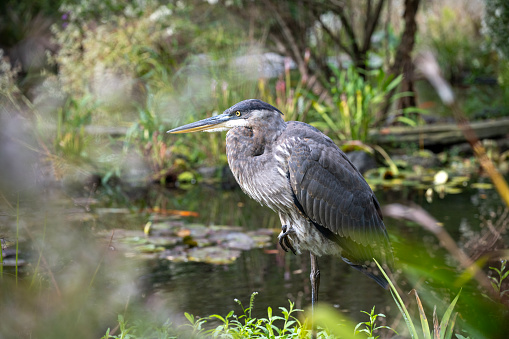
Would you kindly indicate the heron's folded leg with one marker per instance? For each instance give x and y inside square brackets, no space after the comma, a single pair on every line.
[283,238]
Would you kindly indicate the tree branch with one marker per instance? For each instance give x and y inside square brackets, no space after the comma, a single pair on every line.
[339,10]
[333,36]
[371,23]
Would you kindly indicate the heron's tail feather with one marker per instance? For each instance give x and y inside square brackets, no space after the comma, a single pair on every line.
[370,272]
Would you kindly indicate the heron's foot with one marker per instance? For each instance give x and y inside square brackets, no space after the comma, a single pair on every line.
[284,241]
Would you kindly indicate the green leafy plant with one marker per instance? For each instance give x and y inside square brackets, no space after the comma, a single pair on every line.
[141,330]
[246,326]
[496,281]
[453,33]
[370,326]
[356,99]
[441,330]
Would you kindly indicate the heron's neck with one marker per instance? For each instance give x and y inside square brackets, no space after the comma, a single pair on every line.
[243,142]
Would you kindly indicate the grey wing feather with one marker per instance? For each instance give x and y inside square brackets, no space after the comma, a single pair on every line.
[334,195]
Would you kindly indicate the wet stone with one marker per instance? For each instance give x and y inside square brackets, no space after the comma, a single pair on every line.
[192,242]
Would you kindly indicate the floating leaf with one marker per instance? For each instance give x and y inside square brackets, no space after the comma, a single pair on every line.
[459,180]
[261,240]
[164,241]
[482,185]
[184,232]
[453,190]
[226,228]
[238,241]
[149,248]
[213,255]
[177,254]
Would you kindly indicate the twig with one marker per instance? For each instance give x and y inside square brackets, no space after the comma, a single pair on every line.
[101,260]
[419,215]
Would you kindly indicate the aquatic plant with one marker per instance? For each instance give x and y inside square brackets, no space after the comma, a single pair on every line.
[502,274]
[357,97]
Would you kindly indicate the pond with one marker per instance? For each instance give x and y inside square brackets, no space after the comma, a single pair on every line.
[204,289]
[172,287]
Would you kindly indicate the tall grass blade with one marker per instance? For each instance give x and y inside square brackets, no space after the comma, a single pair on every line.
[40,251]
[424,319]
[401,305]
[387,158]
[436,327]
[447,315]
[450,328]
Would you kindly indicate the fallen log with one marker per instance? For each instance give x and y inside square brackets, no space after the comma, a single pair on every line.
[439,134]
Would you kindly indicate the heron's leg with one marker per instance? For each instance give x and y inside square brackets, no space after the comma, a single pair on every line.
[283,238]
[314,276]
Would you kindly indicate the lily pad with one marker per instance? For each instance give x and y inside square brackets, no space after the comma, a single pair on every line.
[460,180]
[261,240]
[238,241]
[482,185]
[453,190]
[203,242]
[165,228]
[176,254]
[213,255]
[197,230]
[226,228]
[149,248]
[164,241]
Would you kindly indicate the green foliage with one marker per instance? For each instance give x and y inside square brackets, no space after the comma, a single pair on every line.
[356,100]
[148,136]
[442,330]
[502,274]
[71,141]
[108,57]
[454,37]
[230,326]
[9,89]
[330,325]
[245,326]
[141,330]
[370,326]
[497,24]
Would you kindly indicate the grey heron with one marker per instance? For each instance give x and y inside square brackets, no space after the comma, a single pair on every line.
[325,205]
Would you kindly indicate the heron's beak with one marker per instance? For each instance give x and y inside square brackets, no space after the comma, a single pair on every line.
[212,124]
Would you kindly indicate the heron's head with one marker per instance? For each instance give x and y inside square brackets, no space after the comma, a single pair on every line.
[251,113]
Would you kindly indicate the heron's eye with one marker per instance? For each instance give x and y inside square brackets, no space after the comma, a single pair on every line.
[237,113]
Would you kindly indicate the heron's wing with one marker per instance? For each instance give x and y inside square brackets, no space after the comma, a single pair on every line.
[335,197]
